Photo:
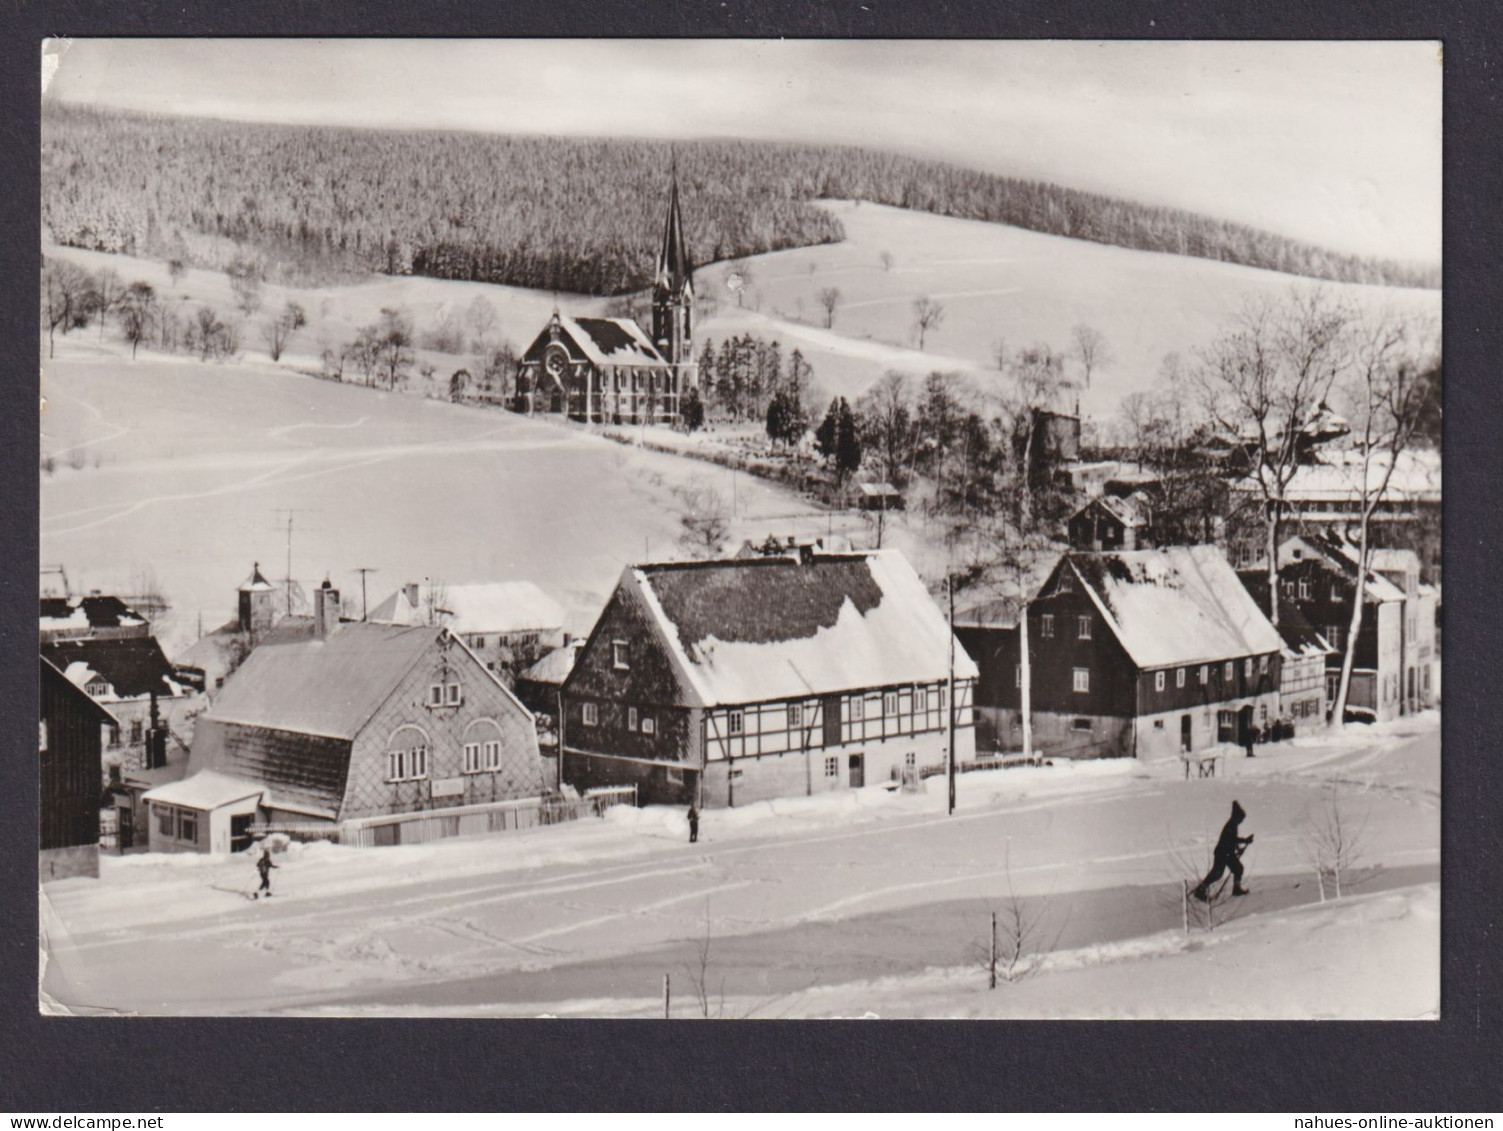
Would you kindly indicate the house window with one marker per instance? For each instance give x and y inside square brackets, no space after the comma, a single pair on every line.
[1226,726]
[1247,668]
[456,695]
[166,818]
[1262,665]
[472,757]
[1083,628]
[1017,675]
[135,732]
[1158,681]
[1262,714]
[1179,677]
[187,826]
[419,766]
[1158,724]
[858,709]
[890,703]
[591,714]
[1046,626]
[631,718]
[1229,671]
[795,715]
[620,656]
[493,755]
[1304,589]
[1066,583]
[1082,679]
[736,723]
[96,688]
[832,767]
[436,695]
[910,761]
[1205,674]
[1333,635]
[1080,723]
[396,765]
[649,726]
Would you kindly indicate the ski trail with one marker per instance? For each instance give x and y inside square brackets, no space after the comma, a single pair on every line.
[900,300]
[285,430]
[635,912]
[98,414]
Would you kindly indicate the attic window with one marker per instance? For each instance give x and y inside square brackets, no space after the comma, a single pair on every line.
[620,655]
[1065,585]
[1046,626]
[1083,627]
[97,687]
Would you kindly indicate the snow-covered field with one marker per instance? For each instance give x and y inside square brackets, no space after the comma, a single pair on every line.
[813,907]
[183,467]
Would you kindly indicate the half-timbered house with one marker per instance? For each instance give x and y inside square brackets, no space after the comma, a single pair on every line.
[732,681]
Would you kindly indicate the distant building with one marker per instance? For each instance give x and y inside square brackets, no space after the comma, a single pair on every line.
[132,677]
[879,497]
[609,370]
[539,686]
[777,675]
[94,617]
[261,617]
[1109,522]
[1141,653]
[510,625]
[387,734]
[70,727]
[1303,692]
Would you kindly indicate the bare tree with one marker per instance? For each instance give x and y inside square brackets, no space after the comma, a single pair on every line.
[1021,931]
[282,327]
[829,298]
[1387,394]
[886,414]
[1091,349]
[137,310]
[705,521]
[1264,382]
[175,270]
[1335,843]
[245,282]
[483,319]
[107,292]
[1001,355]
[927,315]
[698,970]
[65,287]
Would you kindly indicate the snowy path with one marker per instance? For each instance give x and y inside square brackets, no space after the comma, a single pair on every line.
[801,893]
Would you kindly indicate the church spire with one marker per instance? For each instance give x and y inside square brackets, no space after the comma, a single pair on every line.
[674,268]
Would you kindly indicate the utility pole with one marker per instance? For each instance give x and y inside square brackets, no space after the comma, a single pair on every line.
[362,571]
[950,721]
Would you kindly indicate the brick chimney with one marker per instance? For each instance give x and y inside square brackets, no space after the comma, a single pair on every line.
[325,609]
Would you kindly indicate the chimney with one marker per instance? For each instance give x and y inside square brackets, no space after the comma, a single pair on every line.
[411,589]
[325,609]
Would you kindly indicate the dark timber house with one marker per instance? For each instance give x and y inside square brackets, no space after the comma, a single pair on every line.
[69,737]
[1142,653]
[770,676]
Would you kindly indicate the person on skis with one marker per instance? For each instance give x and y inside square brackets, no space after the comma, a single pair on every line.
[264,866]
[1228,855]
[693,824]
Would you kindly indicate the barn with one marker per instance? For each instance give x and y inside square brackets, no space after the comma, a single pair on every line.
[69,736]
[779,675]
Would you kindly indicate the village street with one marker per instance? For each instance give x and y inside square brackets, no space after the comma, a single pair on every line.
[587,918]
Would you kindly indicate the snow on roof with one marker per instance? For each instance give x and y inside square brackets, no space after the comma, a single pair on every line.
[71,614]
[501,606]
[612,341]
[878,490]
[1000,613]
[329,687]
[755,629]
[1131,511]
[255,582]
[1416,477]
[51,672]
[1338,554]
[205,790]
[1300,636]
[133,667]
[556,665]
[1176,605]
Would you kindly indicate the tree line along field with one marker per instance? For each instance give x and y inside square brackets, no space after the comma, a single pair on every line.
[309,201]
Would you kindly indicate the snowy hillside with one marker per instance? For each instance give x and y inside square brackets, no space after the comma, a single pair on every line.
[995,282]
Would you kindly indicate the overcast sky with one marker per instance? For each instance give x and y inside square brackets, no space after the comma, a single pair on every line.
[1336,143]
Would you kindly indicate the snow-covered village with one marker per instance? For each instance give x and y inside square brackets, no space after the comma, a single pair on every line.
[517,551]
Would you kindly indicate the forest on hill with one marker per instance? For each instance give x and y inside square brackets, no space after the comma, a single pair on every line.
[562,214]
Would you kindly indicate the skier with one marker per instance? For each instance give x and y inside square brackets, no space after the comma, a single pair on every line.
[1228,856]
[693,825]
[264,866]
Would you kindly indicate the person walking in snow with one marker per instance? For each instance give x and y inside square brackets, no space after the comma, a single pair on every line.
[693,825]
[1228,855]
[264,866]
[1249,738]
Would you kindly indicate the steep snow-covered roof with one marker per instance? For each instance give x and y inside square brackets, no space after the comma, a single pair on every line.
[329,687]
[556,665]
[1339,555]
[755,629]
[612,341]
[1176,605]
[503,606]
[75,614]
[1416,477]
[133,666]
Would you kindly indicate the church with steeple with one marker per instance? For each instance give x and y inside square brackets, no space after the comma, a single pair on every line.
[609,370]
